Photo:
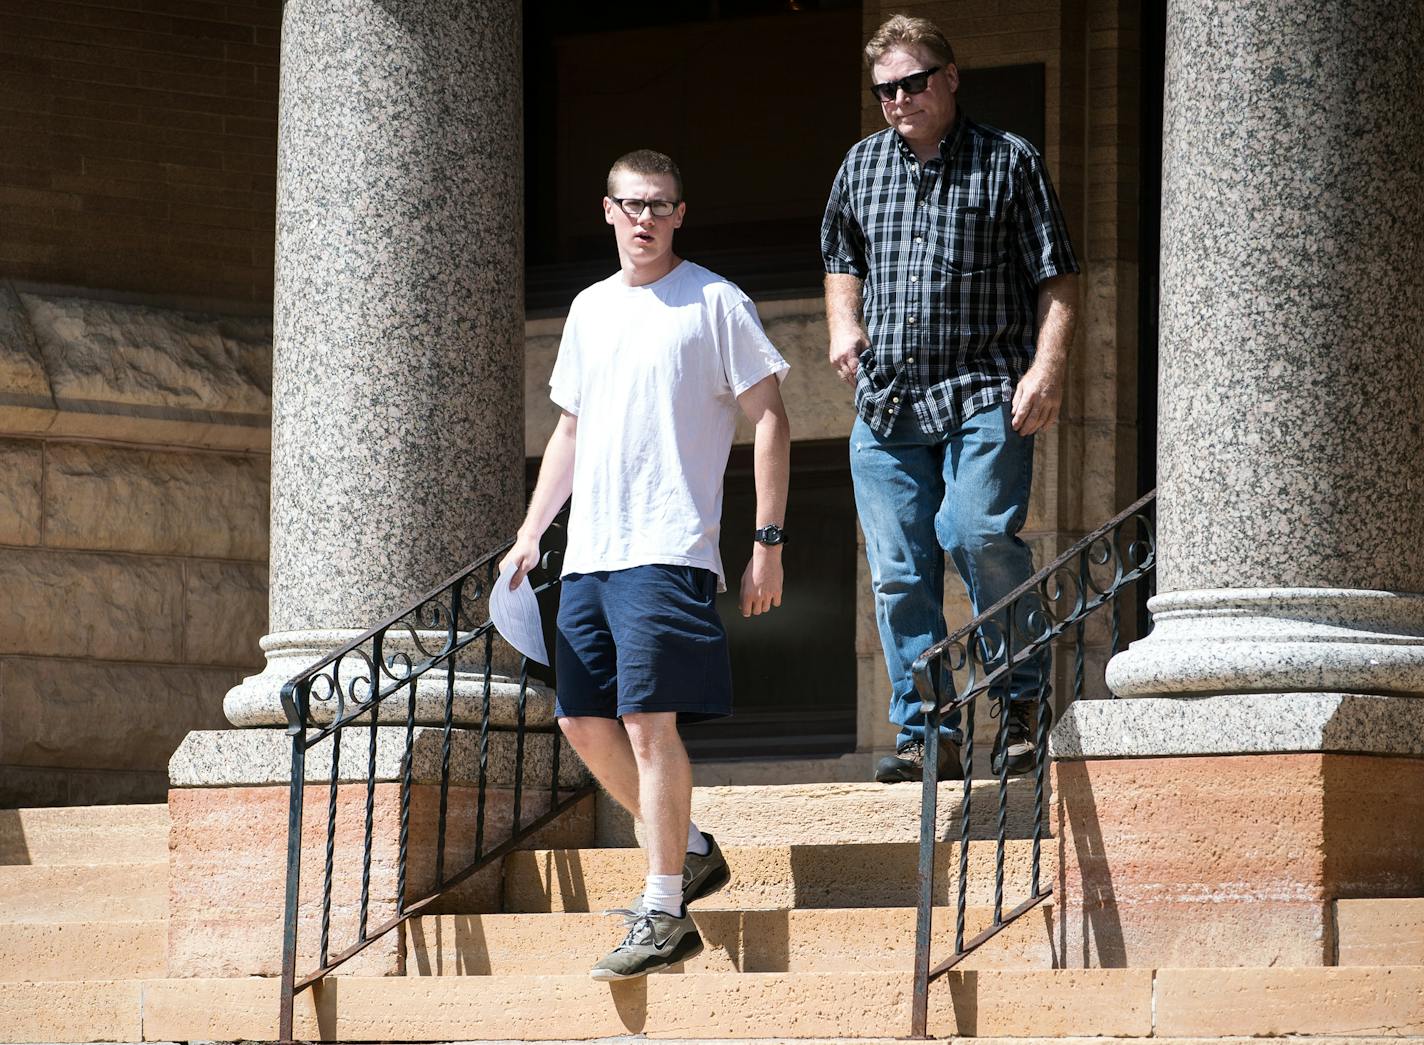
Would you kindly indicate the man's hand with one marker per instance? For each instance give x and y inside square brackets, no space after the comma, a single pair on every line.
[761,580]
[846,348]
[1038,398]
[524,556]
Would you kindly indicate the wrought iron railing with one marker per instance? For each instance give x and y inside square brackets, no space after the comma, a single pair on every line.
[409,668]
[1012,641]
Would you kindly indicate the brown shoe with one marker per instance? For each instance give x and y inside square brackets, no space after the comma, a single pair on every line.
[908,763]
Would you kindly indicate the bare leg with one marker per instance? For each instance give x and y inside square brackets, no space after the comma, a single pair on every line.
[665,787]
[603,745]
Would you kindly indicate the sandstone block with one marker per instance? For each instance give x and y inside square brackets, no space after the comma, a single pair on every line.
[1064,1003]
[829,940]
[225,612]
[104,835]
[1228,860]
[161,502]
[764,1006]
[818,403]
[94,1010]
[72,604]
[1379,932]
[21,476]
[84,950]
[228,869]
[833,813]
[74,893]
[87,715]
[1209,1002]
[774,877]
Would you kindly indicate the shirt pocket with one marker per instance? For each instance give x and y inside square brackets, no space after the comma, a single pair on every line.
[969,241]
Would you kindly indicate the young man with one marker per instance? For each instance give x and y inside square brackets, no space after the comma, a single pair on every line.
[950,295]
[654,364]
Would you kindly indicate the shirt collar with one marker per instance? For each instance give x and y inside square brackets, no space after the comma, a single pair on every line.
[948,144]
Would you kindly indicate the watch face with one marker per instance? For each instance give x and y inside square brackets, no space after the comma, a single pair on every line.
[772,534]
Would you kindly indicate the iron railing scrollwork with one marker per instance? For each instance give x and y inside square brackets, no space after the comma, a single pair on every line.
[1009,646]
[404,670]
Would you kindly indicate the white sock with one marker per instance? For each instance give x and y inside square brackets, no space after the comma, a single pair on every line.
[695,842]
[663,892]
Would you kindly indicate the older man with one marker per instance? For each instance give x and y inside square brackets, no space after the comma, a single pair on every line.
[950,297]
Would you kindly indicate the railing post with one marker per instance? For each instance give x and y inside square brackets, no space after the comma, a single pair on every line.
[929,817]
[294,871]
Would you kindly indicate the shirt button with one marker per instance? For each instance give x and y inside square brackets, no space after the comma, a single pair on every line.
[909,359]
[894,399]
[910,320]
[914,279]
[919,239]
[923,202]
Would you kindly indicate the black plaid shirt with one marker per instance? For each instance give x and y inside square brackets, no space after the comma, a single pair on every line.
[951,256]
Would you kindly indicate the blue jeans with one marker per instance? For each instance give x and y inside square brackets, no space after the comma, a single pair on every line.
[919,496]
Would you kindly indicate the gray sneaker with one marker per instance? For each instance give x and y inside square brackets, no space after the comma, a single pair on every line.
[704,875]
[701,875]
[656,940]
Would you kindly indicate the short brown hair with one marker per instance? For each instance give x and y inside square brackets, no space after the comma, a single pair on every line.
[645,162]
[903,31]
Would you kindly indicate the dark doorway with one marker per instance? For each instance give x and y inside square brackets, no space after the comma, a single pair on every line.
[794,669]
[757,101]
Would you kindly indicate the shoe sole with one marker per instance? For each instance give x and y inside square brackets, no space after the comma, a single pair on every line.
[718,879]
[904,776]
[678,956]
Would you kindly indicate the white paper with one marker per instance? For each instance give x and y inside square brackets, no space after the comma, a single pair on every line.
[516,616]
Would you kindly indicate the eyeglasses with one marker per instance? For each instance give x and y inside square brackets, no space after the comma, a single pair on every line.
[912,84]
[633,207]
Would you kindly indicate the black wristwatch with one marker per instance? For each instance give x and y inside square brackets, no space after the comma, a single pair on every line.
[771,535]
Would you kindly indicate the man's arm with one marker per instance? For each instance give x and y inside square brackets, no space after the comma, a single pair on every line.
[771,454]
[556,482]
[847,326]
[1039,396]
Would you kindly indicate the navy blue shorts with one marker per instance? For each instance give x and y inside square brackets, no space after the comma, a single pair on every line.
[642,639]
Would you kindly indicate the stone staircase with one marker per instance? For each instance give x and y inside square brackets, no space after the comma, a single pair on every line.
[812,939]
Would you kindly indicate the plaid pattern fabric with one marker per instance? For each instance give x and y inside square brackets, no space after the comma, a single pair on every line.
[951,256]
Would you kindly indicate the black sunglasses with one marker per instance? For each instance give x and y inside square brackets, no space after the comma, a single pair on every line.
[912,84]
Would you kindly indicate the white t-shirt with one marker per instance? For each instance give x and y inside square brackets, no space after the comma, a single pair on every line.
[653,373]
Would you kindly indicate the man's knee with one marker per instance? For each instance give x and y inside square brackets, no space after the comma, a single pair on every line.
[586,729]
[651,731]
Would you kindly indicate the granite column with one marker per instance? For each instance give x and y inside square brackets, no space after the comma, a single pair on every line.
[1291,508]
[397,458]
[397,443]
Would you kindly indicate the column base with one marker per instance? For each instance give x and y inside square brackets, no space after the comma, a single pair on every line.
[228,806]
[1207,833]
[1275,640]
[256,700]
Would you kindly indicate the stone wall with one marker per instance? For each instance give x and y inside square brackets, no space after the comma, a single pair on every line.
[133,538]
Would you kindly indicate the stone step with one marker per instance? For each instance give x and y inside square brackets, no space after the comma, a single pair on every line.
[116,893]
[1360,1003]
[84,835]
[763,1005]
[84,950]
[779,877]
[826,814]
[1379,932]
[822,940]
